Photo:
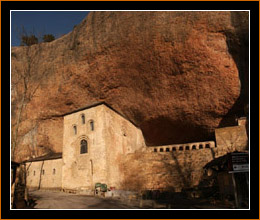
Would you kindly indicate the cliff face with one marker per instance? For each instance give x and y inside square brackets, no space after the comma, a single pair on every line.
[177,75]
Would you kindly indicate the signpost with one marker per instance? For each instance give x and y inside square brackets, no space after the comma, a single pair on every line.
[237,163]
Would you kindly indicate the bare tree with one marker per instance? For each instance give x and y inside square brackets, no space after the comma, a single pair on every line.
[28,38]
[26,80]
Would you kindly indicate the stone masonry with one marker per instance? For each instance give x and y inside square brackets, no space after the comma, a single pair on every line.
[44,174]
[111,138]
[102,146]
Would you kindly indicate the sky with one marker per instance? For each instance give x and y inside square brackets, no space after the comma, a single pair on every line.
[57,23]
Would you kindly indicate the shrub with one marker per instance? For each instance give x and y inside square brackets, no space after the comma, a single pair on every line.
[48,38]
[29,40]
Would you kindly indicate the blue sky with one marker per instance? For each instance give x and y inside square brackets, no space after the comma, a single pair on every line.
[44,22]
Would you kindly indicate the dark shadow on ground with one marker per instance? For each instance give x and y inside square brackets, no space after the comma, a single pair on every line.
[111,204]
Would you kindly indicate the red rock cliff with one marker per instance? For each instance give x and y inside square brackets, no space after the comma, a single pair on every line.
[177,75]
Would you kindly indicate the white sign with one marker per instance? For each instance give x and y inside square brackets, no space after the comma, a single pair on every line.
[240,167]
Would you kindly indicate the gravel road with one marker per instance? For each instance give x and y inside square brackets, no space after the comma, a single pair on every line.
[61,200]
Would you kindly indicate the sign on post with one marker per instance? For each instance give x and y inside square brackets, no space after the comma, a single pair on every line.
[238,162]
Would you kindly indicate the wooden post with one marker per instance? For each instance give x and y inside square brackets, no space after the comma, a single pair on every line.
[141,203]
[235,190]
[25,183]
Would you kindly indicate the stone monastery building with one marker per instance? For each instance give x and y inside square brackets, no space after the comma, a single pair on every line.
[102,146]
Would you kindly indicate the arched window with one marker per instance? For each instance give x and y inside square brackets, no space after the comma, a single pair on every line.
[83,147]
[75,129]
[91,125]
[83,119]
[53,171]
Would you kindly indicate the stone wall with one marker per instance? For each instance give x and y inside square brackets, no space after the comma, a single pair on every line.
[182,147]
[113,137]
[78,169]
[117,156]
[174,167]
[44,174]
[170,167]
[121,138]
[230,138]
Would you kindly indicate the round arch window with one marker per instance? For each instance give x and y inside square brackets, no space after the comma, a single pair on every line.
[83,147]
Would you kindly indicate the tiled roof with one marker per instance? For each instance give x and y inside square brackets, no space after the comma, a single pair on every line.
[50,156]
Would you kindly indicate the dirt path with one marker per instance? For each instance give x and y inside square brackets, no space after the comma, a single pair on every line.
[61,200]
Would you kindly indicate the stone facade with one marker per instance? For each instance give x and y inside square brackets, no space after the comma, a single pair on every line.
[174,167]
[171,171]
[45,174]
[101,146]
[110,138]
[232,138]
